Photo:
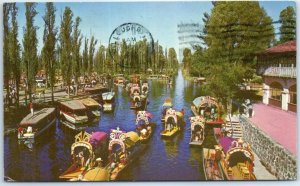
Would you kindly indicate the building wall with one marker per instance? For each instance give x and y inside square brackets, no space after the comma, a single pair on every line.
[279,161]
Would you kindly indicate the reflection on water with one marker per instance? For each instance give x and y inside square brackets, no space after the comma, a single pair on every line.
[164,159]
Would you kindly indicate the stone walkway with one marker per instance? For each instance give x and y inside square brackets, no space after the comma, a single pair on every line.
[278,124]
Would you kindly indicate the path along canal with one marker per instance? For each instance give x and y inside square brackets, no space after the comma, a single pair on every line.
[171,159]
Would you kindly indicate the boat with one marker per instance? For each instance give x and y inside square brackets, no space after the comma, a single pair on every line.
[145,89]
[33,126]
[171,123]
[93,108]
[197,130]
[96,92]
[123,149]
[211,164]
[109,101]
[144,127]
[73,114]
[237,159]
[139,102]
[119,80]
[87,151]
[134,90]
[208,108]
[167,104]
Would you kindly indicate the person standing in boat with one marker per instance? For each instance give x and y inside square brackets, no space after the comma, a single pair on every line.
[31,107]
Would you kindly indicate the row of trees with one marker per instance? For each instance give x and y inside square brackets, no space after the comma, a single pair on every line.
[234,33]
[135,58]
[62,53]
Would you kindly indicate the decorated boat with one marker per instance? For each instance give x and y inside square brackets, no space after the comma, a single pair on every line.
[208,108]
[109,101]
[211,164]
[144,127]
[197,130]
[139,102]
[35,125]
[237,159]
[171,123]
[88,153]
[73,114]
[134,90]
[167,104]
[93,108]
[119,80]
[123,149]
[145,89]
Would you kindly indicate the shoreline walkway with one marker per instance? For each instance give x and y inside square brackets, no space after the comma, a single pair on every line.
[280,125]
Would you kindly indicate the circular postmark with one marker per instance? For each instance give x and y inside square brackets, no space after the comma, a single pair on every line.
[127,38]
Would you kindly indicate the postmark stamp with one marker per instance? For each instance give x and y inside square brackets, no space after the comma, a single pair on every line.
[129,34]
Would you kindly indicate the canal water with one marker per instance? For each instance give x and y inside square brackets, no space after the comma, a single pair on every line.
[171,159]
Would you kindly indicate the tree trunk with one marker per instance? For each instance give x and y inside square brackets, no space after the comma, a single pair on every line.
[52,93]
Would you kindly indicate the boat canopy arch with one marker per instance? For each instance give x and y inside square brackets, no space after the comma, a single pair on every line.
[142,116]
[240,147]
[171,114]
[82,140]
[197,121]
[117,137]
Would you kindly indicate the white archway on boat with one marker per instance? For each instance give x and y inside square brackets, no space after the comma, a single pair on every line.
[142,116]
[170,113]
[82,140]
[117,137]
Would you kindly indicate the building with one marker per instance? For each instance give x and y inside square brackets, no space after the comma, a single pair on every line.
[277,66]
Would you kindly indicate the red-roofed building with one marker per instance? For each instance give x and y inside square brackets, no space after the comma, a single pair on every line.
[277,65]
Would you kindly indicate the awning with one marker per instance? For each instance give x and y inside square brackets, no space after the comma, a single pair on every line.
[225,142]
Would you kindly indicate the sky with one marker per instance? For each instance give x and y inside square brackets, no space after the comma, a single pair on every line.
[160,18]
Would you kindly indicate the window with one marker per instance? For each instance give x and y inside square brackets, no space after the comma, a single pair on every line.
[276,90]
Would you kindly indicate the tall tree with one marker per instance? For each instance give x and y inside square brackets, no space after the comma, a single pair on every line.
[186,58]
[6,57]
[93,43]
[288,24]
[49,39]
[14,50]
[236,32]
[172,59]
[100,60]
[30,47]
[77,39]
[66,46]
[85,56]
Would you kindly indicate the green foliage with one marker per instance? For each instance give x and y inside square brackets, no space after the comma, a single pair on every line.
[30,42]
[85,56]
[49,51]
[187,57]
[77,39]
[235,32]
[14,49]
[93,43]
[6,33]
[66,45]
[288,24]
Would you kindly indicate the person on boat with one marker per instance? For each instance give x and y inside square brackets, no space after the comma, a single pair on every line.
[81,158]
[144,132]
[31,107]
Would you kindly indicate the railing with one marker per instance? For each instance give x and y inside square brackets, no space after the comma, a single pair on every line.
[290,72]
[275,102]
[292,107]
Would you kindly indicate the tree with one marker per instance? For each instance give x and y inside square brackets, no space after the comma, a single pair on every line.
[186,59]
[77,38]
[30,47]
[49,51]
[235,33]
[66,46]
[100,60]
[85,56]
[14,50]
[93,43]
[288,24]
[172,59]
[6,57]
